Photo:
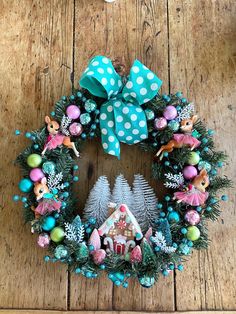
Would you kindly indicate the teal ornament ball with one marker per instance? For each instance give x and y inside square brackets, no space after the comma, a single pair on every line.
[25,185]
[149,114]
[61,252]
[193,233]
[57,234]
[173,217]
[48,223]
[90,105]
[194,159]
[173,125]
[146,281]
[85,118]
[49,167]
[34,160]
[204,165]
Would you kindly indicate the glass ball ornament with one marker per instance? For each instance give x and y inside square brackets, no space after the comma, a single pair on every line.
[85,118]
[146,281]
[170,113]
[204,165]
[194,158]
[57,234]
[36,175]
[192,217]
[173,125]
[61,252]
[193,233]
[173,217]
[43,240]
[160,123]
[73,112]
[34,160]
[149,114]
[49,223]
[189,172]
[25,185]
[90,105]
[75,129]
[49,167]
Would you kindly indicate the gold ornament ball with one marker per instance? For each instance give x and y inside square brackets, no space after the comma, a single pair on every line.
[57,234]
[34,160]
[193,233]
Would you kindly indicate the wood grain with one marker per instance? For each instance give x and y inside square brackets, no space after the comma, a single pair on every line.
[35,62]
[202,65]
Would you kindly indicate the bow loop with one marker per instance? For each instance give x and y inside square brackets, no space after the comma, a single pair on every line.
[121,117]
[142,85]
[100,78]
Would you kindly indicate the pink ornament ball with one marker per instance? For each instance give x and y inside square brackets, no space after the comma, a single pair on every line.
[192,217]
[189,172]
[75,129]
[73,112]
[170,113]
[160,123]
[36,175]
[43,240]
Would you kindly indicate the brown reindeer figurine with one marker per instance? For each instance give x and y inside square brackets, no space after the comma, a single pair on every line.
[46,202]
[56,139]
[181,139]
[196,194]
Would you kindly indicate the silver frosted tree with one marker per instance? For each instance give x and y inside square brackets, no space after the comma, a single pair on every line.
[122,193]
[145,200]
[97,203]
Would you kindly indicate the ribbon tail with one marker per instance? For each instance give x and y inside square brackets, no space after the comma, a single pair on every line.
[110,142]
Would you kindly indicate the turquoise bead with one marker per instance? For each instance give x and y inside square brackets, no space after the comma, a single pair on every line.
[48,223]
[16,198]
[25,185]
[173,217]
[17,132]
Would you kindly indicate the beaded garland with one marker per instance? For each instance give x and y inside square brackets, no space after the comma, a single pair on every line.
[118,108]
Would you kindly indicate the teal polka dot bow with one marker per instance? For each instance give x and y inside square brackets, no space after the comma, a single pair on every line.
[121,117]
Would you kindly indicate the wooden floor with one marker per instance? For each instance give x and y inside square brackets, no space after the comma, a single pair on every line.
[44,46]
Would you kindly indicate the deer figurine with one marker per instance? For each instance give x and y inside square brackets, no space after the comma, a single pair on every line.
[196,194]
[55,138]
[181,139]
[47,203]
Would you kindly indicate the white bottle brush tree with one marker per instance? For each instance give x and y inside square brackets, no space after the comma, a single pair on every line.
[144,210]
[122,193]
[97,203]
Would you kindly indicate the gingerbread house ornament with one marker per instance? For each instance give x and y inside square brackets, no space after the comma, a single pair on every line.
[120,230]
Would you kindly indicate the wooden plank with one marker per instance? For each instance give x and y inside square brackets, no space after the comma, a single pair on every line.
[125,30]
[202,65]
[105,312]
[35,66]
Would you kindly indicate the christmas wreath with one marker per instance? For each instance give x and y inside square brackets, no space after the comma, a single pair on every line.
[126,232]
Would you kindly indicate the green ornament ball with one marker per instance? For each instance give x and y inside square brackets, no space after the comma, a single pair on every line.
[194,159]
[85,118]
[173,125]
[49,223]
[61,252]
[57,234]
[90,105]
[193,233]
[149,114]
[25,185]
[34,160]
[204,165]
[49,167]
[146,281]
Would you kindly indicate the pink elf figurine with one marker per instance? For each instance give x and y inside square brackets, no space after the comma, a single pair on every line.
[181,139]
[196,194]
[55,138]
[47,203]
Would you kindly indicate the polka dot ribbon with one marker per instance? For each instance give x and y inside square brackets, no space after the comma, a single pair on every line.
[121,117]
